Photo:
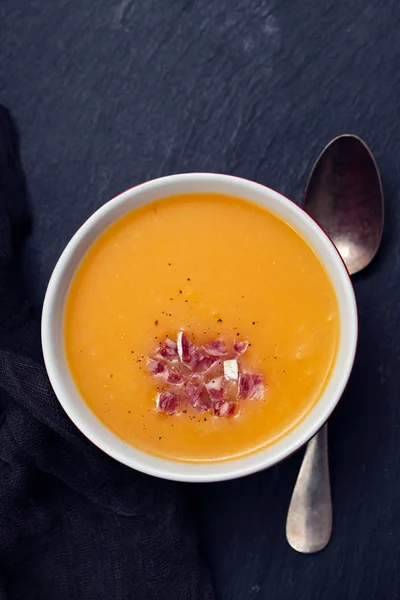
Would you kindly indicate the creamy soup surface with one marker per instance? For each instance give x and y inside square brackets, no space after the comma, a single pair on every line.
[215,267]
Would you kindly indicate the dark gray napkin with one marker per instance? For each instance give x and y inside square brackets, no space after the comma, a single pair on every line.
[74,524]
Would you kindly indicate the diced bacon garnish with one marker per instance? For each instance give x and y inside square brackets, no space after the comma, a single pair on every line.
[206,363]
[168,402]
[156,367]
[215,388]
[169,349]
[184,346]
[224,408]
[198,376]
[251,386]
[194,359]
[189,354]
[216,348]
[175,378]
[240,346]
[195,396]
[231,369]
[193,392]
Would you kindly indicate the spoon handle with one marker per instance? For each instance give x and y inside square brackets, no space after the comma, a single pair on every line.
[309,520]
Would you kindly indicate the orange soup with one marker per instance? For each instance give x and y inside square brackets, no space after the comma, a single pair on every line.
[216,268]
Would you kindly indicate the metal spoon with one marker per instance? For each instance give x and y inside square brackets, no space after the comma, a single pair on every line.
[344,195]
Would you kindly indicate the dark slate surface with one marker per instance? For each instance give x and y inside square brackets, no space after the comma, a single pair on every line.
[111,93]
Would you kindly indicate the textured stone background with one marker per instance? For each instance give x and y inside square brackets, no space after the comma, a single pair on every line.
[110,93]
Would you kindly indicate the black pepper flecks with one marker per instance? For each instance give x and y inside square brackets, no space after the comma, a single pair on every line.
[160,438]
[188,278]
[129,411]
[156,322]
[219,320]
[180,291]
[184,412]
[169,264]
[254,322]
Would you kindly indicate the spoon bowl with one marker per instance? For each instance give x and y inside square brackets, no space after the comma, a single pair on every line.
[344,196]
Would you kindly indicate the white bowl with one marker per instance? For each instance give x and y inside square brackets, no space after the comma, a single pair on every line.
[52,327]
